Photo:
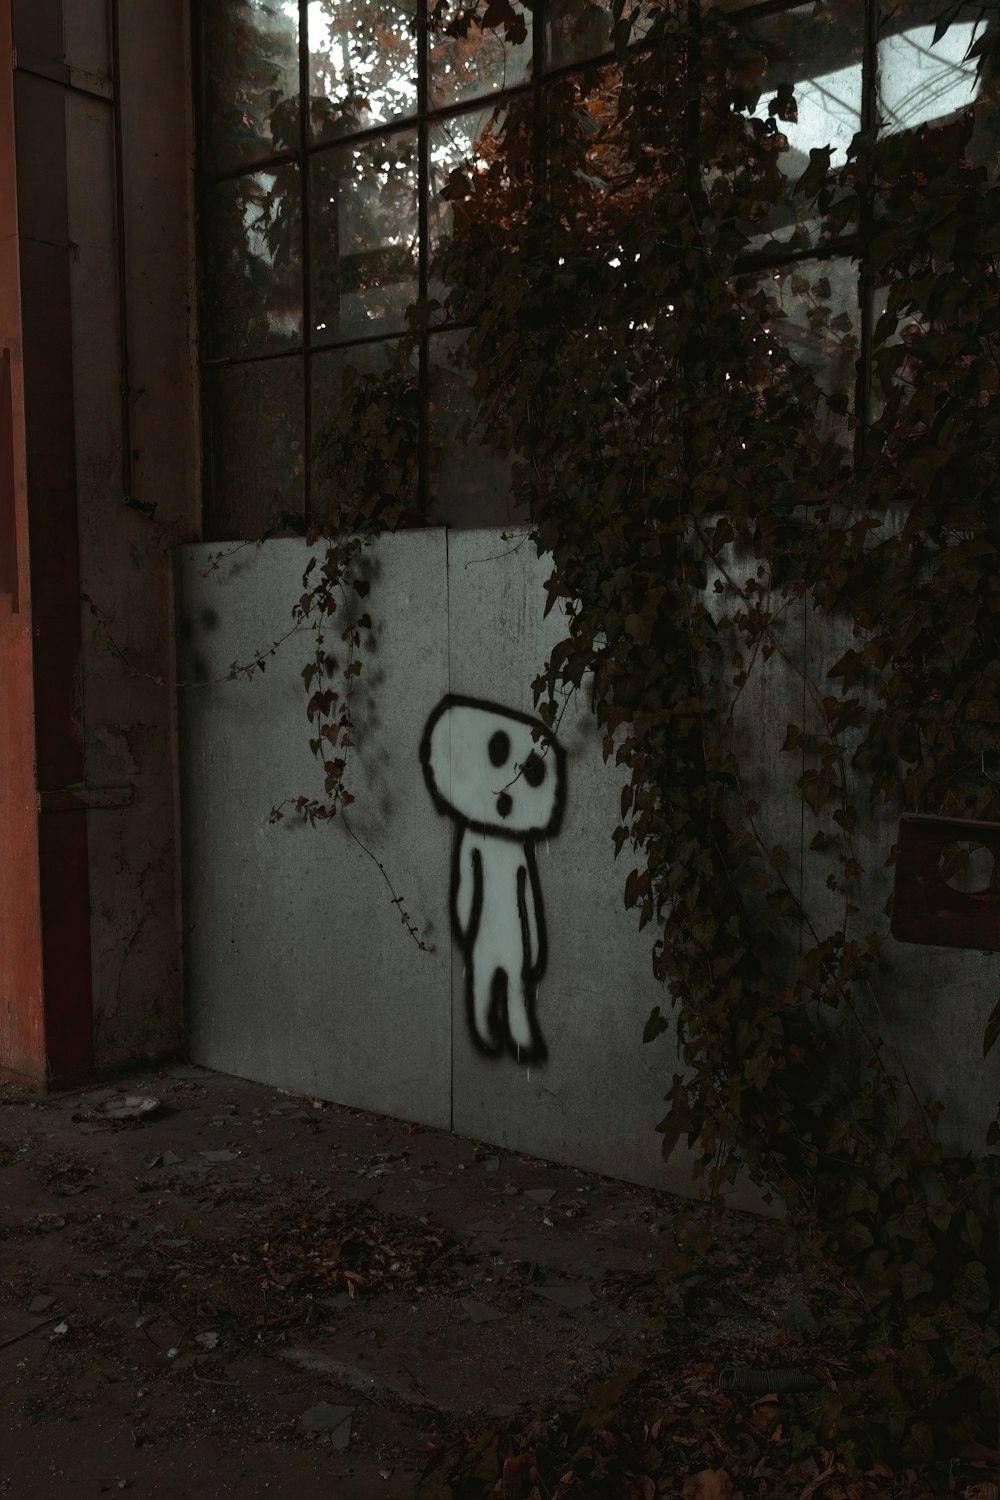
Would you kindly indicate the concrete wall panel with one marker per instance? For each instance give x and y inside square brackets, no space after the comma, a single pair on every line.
[299,970]
[929,1003]
[597,1097]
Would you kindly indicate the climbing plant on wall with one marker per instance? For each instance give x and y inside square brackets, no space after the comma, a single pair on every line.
[695,478]
[712,440]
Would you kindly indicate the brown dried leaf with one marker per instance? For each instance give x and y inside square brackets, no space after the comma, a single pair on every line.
[819,1481]
[516,1476]
[709,1484]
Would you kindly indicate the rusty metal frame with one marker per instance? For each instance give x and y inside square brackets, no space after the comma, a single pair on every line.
[925,908]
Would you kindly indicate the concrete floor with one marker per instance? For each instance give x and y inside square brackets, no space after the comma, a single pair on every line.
[176,1316]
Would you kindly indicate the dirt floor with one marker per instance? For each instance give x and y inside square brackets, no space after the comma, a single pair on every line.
[243,1292]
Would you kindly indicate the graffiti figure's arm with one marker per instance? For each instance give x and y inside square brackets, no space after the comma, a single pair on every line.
[467,893]
[532,918]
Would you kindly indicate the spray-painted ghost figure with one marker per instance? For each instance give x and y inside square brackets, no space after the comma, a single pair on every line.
[505,790]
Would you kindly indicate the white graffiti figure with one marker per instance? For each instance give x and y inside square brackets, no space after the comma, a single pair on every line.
[501,776]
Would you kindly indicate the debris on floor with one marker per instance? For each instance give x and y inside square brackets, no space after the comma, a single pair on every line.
[239,1292]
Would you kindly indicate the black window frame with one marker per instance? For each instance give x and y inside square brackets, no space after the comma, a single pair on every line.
[852,245]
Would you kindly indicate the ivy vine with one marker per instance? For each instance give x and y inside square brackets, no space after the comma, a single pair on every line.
[697,482]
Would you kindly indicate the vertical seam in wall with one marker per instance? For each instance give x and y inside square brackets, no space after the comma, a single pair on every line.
[121,252]
[451,848]
[802,761]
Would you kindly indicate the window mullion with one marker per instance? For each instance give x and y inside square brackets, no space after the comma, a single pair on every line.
[305,101]
[423,251]
[866,217]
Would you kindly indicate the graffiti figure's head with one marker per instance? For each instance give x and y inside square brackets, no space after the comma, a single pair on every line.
[484,766]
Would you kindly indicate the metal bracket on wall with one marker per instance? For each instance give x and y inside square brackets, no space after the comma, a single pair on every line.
[85,798]
[925,907]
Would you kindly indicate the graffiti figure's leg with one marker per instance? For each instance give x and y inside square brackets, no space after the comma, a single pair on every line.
[523,1036]
[481,986]
[518,1024]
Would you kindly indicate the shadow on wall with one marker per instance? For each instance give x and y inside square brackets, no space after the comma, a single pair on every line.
[501,775]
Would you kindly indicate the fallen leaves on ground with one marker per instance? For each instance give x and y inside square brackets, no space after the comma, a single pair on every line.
[662,1430]
[709,1484]
[323,1244]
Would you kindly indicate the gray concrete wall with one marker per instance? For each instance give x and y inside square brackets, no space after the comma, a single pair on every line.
[928,1004]
[298,969]
[597,1099]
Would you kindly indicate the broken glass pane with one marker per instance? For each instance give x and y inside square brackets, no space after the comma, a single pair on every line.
[250,72]
[363,64]
[467,59]
[251,264]
[364,236]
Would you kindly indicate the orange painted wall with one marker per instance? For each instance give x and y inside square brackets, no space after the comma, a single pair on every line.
[22,1032]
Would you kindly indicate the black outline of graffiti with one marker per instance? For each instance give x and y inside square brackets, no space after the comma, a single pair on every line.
[497,1022]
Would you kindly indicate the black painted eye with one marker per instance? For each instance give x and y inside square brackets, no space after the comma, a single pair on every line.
[499,748]
[534,770]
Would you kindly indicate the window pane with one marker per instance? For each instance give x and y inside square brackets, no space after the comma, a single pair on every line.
[482,164]
[922,80]
[250,67]
[364,236]
[363,64]
[251,264]
[466,60]
[470,481]
[363,389]
[926,82]
[577,30]
[812,310]
[817,53]
[253,433]
[327,374]
[465,145]
[817,49]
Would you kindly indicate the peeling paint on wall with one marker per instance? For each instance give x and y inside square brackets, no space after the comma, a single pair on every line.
[501,776]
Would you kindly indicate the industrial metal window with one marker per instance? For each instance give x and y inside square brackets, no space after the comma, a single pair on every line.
[327,129]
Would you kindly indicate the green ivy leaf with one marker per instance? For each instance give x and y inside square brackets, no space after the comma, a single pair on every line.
[914,1279]
[972,1288]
